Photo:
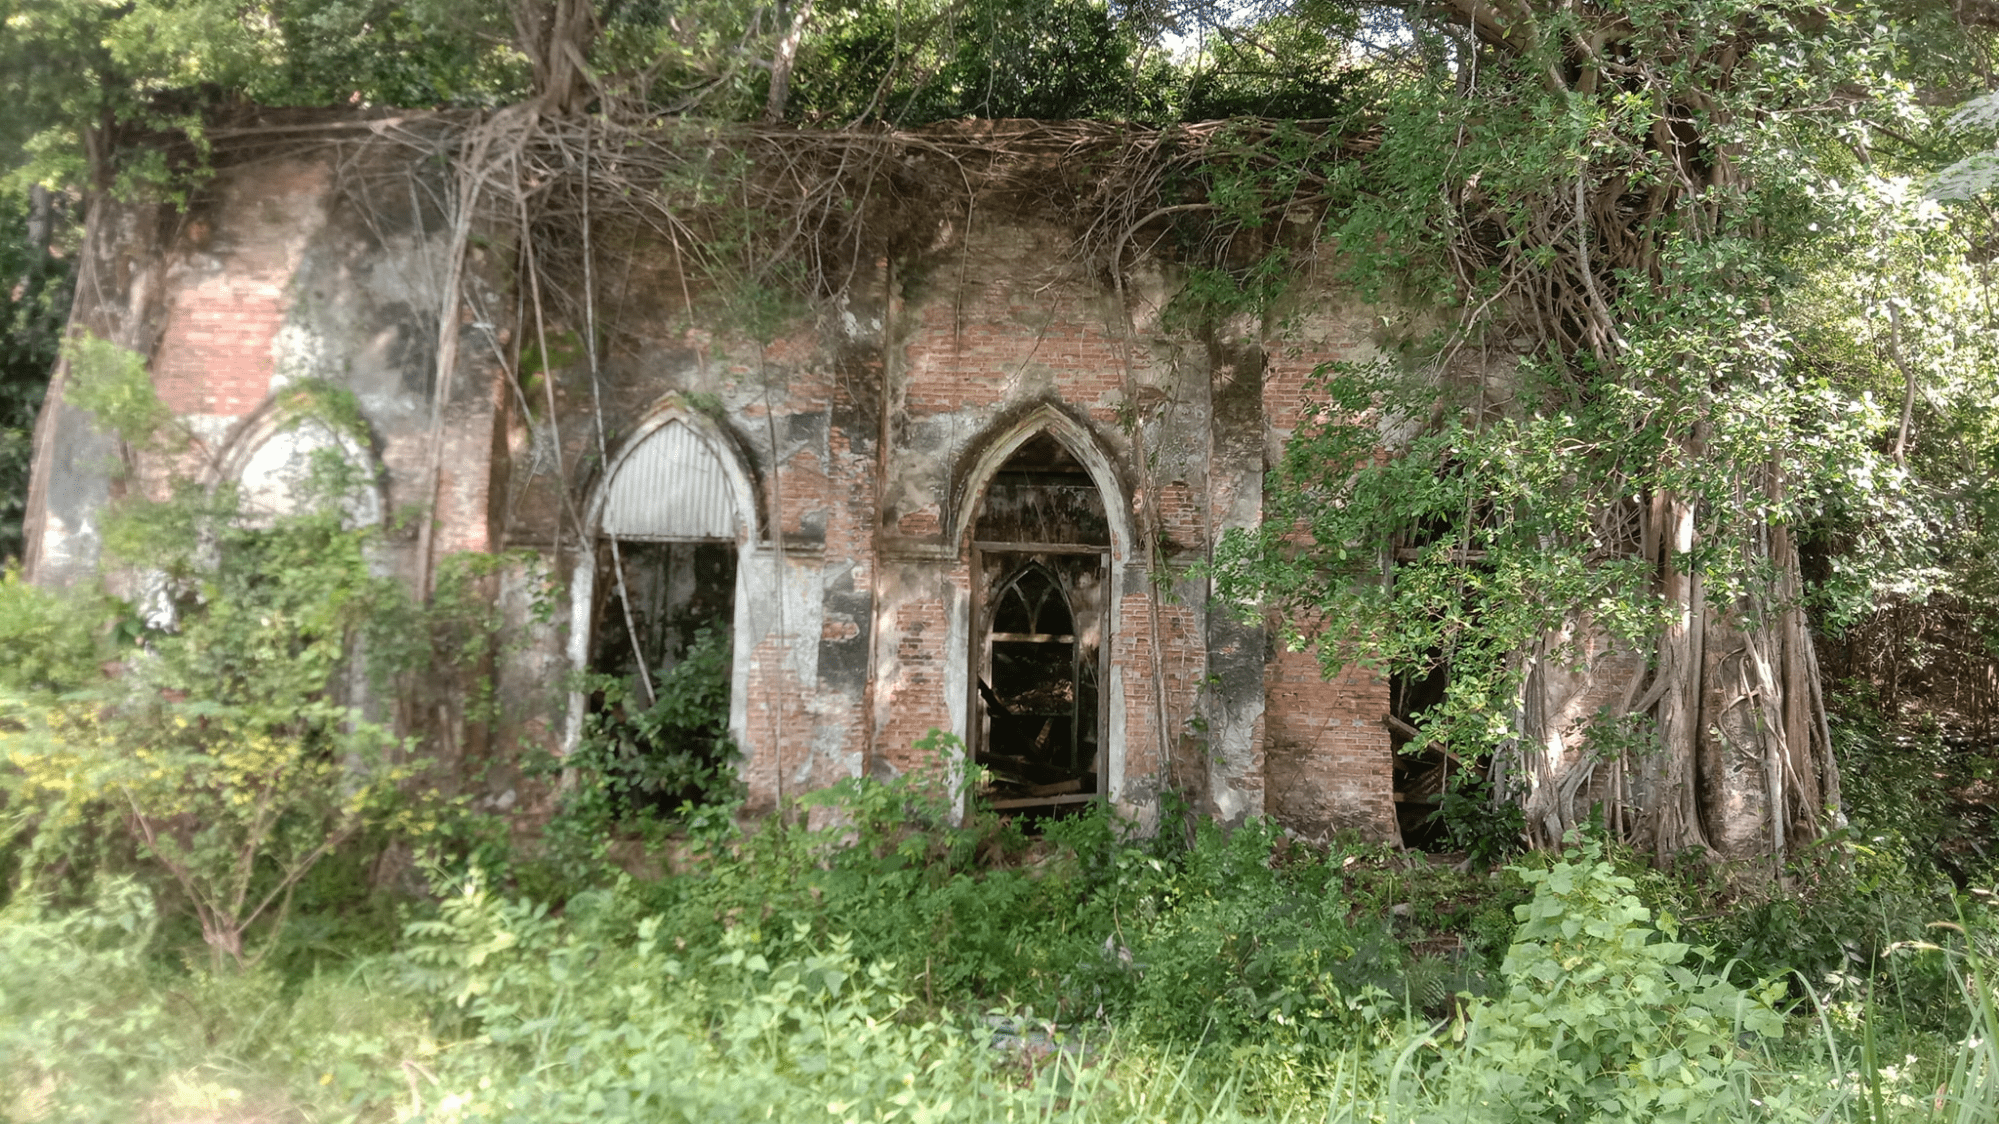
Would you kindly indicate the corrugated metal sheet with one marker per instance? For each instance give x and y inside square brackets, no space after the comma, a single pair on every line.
[671,487]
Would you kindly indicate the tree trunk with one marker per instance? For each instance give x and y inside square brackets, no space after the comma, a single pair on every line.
[782,61]
[1740,768]
[556,36]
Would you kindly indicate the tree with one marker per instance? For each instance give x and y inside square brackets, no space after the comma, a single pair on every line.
[36,272]
[1626,435]
[222,724]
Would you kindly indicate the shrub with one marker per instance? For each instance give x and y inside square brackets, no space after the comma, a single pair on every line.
[640,762]
[223,746]
[234,739]
[1601,1018]
[79,1028]
[590,1017]
[55,641]
[1230,946]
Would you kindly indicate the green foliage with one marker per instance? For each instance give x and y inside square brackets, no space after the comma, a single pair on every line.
[230,729]
[35,280]
[836,967]
[93,1027]
[1242,239]
[1292,64]
[112,383]
[1909,857]
[329,404]
[72,1030]
[1234,947]
[1239,943]
[1511,542]
[991,58]
[1484,829]
[1973,175]
[565,349]
[412,53]
[224,747]
[1060,59]
[231,740]
[1600,309]
[56,640]
[81,76]
[598,1016]
[1244,978]
[637,761]
[1234,940]
[1601,1019]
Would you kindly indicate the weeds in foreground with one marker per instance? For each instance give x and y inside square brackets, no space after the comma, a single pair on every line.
[891,969]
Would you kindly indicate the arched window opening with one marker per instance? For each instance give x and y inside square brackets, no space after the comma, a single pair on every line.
[662,622]
[306,466]
[282,466]
[1041,551]
[1042,494]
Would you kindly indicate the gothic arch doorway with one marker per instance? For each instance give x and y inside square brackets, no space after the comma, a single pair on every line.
[658,603]
[286,461]
[1041,558]
[666,544]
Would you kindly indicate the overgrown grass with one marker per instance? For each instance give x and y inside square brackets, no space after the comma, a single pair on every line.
[894,967]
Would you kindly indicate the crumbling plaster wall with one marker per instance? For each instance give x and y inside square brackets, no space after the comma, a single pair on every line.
[273,275]
[860,428]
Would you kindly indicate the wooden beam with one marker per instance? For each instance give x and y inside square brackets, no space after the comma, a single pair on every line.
[1036,802]
[1042,548]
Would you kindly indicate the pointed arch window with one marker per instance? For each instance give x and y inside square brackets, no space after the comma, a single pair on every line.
[1041,553]
[663,618]
[303,465]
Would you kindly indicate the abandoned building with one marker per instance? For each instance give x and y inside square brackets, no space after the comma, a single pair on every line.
[968,492]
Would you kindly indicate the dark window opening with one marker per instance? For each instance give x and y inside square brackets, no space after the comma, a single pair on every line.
[1041,563]
[674,590]
[1432,779]
[660,737]
[1043,495]
[1421,768]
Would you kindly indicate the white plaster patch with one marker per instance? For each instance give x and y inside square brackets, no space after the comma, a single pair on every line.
[63,546]
[582,590]
[299,353]
[285,474]
[211,430]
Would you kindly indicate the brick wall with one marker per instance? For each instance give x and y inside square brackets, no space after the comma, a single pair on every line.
[911,692]
[231,289]
[1329,762]
[216,356]
[991,330]
[1180,672]
[1320,339]
[778,730]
